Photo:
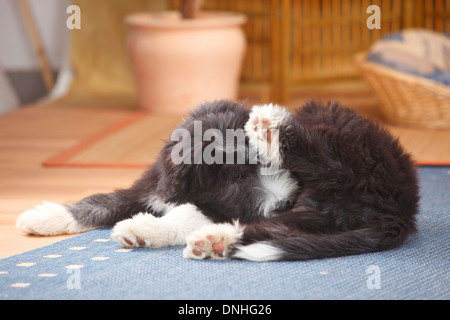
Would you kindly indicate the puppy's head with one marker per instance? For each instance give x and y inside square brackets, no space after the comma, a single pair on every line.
[208,159]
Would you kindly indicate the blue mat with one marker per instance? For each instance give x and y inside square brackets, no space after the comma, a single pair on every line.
[91,266]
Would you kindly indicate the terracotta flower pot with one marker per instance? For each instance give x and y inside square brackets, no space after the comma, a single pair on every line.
[180,63]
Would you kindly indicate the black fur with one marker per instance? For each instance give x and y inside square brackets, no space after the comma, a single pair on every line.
[217,190]
[357,187]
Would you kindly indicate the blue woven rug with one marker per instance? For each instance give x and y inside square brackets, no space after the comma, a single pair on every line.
[91,266]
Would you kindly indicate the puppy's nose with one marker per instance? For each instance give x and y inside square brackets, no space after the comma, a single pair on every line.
[282,205]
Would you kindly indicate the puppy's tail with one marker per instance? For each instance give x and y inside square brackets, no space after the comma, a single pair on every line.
[272,241]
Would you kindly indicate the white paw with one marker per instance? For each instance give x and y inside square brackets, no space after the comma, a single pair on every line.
[212,241]
[262,129]
[139,231]
[48,219]
[145,230]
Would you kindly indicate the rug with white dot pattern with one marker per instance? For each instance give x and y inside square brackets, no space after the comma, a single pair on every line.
[92,266]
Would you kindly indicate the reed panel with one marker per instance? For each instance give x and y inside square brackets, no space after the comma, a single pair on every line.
[297,42]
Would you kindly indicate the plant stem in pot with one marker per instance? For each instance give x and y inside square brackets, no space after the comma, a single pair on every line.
[189,8]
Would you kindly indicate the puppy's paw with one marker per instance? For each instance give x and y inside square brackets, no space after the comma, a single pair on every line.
[262,128]
[214,241]
[48,219]
[138,231]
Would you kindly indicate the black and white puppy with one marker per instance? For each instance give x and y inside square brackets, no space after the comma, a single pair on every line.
[320,183]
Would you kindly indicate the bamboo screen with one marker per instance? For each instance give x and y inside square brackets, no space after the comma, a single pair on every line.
[295,42]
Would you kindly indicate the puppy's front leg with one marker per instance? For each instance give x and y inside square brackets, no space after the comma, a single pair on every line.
[146,230]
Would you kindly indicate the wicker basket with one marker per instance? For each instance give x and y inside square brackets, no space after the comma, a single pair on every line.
[407,100]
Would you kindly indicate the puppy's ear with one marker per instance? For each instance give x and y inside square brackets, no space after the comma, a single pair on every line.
[174,168]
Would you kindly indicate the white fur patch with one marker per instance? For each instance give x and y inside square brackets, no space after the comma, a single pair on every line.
[49,219]
[259,251]
[277,187]
[146,230]
[156,203]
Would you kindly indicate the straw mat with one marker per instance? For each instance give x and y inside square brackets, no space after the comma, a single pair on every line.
[136,140]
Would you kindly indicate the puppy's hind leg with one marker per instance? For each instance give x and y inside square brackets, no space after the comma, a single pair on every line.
[49,219]
[100,210]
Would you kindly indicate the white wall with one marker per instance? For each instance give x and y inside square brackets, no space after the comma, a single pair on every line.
[17,53]
[16,49]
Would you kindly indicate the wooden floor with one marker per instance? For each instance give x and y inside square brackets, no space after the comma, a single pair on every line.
[28,137]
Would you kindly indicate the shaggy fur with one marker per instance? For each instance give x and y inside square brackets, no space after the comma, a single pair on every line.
[344,186]
[357,187]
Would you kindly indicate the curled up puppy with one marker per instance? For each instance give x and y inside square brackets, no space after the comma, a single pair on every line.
[260,184]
